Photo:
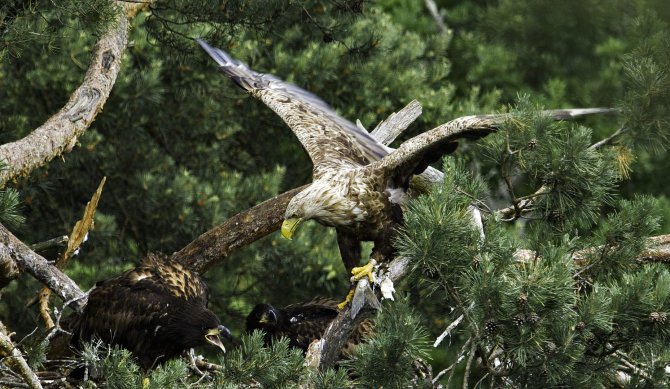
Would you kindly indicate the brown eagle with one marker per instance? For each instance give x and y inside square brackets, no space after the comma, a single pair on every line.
[157,311]
[359,186]
[302,323]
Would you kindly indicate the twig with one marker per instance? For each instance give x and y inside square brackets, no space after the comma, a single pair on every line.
[13,359]
[47,244]
[468,365]
[447,331]
[458,360]
[609,139]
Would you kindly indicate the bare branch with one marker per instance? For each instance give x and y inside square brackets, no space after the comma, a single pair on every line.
[59,133]
[435,13]
[388,130]
[13,250]
[11,356]
[658,250]
[47,244]
[240,230]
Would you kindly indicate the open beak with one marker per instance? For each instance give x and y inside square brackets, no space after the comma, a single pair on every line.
[289,226]
[212,337]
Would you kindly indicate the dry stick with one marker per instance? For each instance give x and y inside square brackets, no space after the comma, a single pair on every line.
[47,244]
[27,260]
[468,365]
[77,237]
[435,13]
[59,133]
[11,356]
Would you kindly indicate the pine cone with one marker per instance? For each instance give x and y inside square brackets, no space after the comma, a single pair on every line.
[491,326]
[658,317]
[532,318]
[522,300]
[551,348]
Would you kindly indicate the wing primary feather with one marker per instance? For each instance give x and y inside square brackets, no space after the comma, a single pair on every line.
[237,71]
[287,99]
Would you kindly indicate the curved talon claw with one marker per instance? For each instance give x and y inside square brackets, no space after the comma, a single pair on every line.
[358,273]
[366,270]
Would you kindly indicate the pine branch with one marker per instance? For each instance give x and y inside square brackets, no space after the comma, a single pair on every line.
[658,251]
[522,205]
[11,356]
[59,133]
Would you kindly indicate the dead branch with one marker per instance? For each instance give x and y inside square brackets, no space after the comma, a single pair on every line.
[14,251]
[658,250]
[12,358]
[240,230]
[59,133]
[77,237]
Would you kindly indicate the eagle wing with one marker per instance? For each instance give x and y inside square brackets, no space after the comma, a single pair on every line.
[331,141]
[412,152]
[125,307]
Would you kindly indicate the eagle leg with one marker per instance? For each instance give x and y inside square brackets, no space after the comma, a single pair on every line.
[350,249]
[358,273]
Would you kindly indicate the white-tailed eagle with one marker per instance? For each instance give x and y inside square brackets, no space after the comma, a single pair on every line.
[359,185]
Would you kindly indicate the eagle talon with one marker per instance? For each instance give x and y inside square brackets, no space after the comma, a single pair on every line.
[366,270]
[357,274]
[347,299]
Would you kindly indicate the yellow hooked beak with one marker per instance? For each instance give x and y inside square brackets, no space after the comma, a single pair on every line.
[289,226]
[212,337]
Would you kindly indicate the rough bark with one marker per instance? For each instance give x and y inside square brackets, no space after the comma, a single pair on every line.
[12,358]
[240,230]
[12,249]
[59,133]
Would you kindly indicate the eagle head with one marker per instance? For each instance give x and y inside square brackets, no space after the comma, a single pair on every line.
[198,327]
[321,201]
[265,317]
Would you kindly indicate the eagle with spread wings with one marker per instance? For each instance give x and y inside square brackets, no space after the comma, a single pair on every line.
[359,185]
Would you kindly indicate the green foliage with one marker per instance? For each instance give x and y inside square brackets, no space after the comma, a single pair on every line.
[576,179]
[623,236]
[10,208]
[399,340]
[275,366]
